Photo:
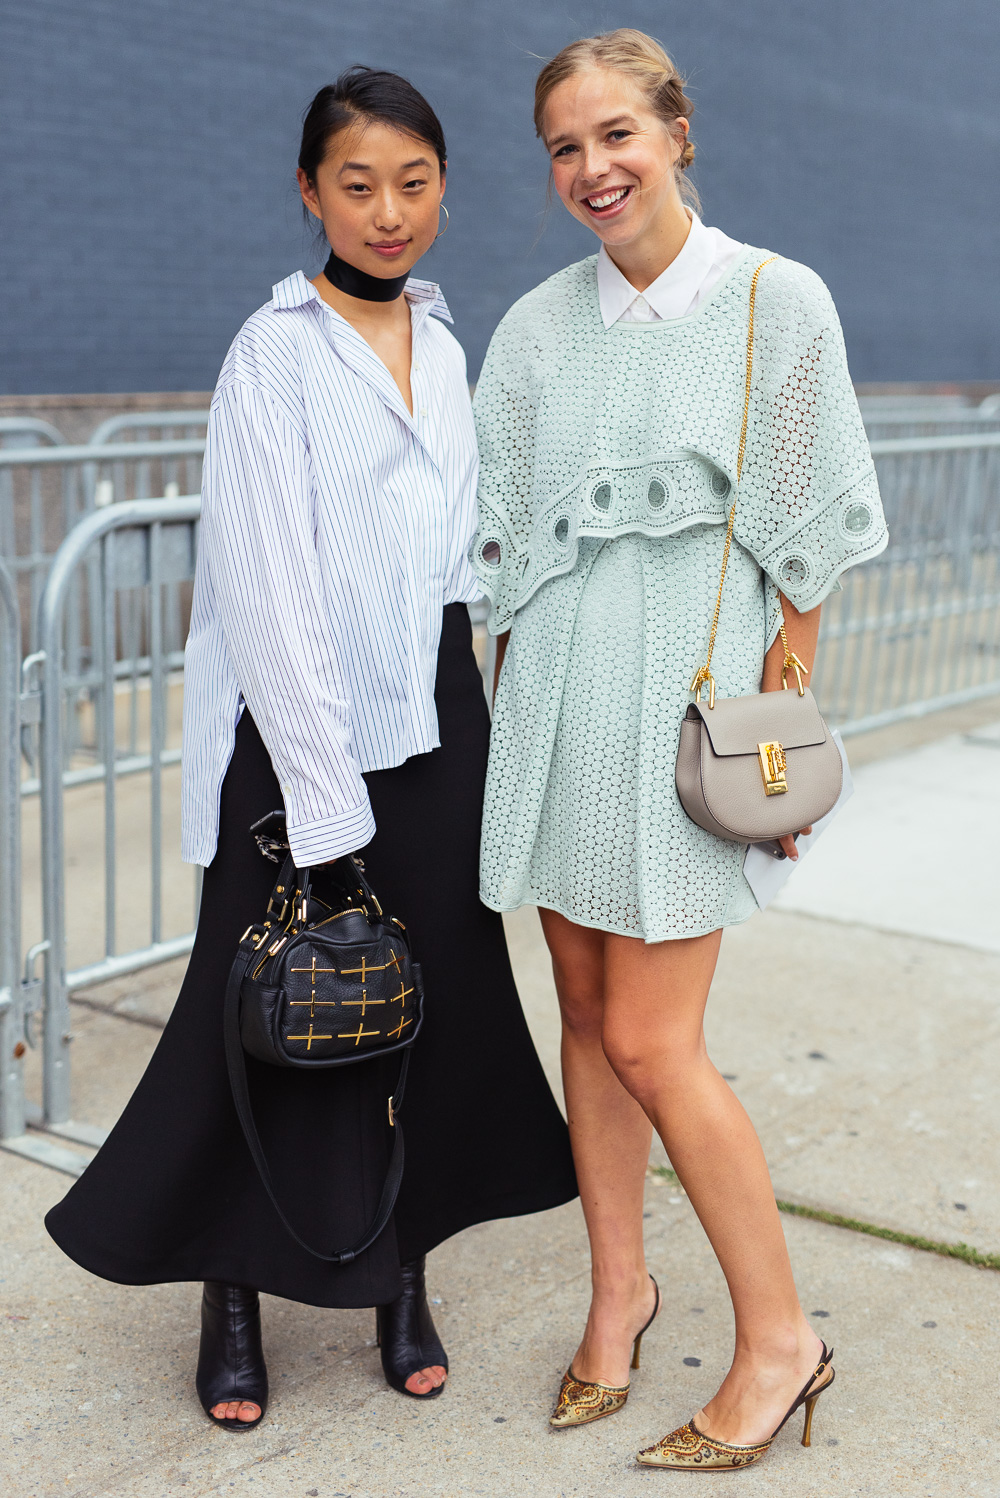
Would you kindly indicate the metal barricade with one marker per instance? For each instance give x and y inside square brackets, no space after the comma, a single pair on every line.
[18,999]
[898,416]
[147,426]
[171,479]
[973,420]
[44,491]
[25,431]
[918,628]
[23,502]
[11,1016]
[140,546]
[914,630]
[911,400]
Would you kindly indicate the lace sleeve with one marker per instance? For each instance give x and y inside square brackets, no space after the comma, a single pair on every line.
[506,411]
[809,505]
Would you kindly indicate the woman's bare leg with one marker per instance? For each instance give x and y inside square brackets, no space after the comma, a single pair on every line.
[611,1137]
[654,1003]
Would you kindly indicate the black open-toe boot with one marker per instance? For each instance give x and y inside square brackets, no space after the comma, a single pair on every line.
[231,1359]
[406,1334]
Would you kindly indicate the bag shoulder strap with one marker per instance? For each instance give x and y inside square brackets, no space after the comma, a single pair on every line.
[703,676]
[236,1065]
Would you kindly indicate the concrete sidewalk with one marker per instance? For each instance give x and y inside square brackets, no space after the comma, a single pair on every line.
[868,1062]
[917,847]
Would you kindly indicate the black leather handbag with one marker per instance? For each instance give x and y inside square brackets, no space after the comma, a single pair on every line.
[318,984]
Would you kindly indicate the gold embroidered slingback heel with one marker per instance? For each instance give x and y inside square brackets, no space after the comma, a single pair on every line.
[580,1402]
[690,1450]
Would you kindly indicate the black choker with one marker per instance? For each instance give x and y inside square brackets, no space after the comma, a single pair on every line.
[359,283]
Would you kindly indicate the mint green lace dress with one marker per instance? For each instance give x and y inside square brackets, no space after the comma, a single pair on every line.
[607,463]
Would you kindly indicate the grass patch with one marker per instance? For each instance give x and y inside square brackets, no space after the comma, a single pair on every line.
[962,1251]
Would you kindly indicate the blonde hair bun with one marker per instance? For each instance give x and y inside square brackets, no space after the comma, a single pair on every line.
[646,62]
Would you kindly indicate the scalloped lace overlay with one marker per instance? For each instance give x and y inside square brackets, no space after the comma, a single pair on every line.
[607,464]
[580,429]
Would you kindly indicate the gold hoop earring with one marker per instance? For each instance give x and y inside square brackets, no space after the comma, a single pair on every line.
[447,220]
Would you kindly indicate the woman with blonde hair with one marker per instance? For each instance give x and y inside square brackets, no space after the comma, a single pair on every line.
[609,416]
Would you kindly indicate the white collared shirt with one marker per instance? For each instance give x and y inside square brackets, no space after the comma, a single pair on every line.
[704,257]
[335,528]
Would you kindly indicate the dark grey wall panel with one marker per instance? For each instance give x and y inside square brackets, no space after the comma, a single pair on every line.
[147,154]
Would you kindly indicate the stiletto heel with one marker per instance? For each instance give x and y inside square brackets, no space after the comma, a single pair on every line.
[581,1403]
[404,1330]
[230,1356]
[638,1341]
[689,1449]
[810,1406]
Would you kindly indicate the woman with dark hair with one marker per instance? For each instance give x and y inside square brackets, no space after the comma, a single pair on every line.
[330,671]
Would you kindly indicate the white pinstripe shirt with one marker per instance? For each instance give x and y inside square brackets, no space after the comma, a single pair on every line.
[335,527]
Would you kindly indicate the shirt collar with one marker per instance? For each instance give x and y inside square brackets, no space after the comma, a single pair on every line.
[429,292]
[297,291]
[672,293]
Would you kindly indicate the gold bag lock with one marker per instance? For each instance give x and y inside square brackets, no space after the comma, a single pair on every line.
[772,768]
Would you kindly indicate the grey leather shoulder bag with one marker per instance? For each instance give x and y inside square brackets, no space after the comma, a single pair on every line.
[754,768]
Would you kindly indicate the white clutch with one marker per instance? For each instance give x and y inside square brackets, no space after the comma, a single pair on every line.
[766,873]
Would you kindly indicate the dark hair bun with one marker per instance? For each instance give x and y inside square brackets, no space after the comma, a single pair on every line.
[362,93]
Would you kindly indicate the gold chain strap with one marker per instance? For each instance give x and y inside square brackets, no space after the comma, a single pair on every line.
[704,675]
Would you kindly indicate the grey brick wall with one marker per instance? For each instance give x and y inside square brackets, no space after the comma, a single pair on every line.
[147,150]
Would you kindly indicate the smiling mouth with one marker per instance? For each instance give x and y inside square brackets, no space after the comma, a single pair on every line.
[388,247]
[609,201]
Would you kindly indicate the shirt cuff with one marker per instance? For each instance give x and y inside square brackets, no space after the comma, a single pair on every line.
[313,843]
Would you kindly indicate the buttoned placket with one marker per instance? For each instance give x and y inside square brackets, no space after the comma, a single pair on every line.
[357,353]
[418,393]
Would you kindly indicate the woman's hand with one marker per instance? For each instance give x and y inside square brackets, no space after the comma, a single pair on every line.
[788,842]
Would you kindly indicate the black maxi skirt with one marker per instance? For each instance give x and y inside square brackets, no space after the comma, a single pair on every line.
[173,1194]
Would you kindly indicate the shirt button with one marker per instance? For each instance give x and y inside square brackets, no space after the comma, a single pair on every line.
[423,410]
[286,788]
[416,369]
